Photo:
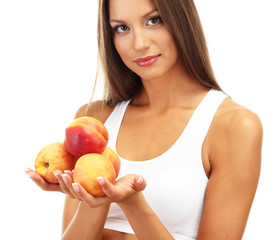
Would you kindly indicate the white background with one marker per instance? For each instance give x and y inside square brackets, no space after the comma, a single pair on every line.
[47,71]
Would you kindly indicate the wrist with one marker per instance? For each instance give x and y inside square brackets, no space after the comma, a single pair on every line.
[85,211]
[136,200]
[143,220]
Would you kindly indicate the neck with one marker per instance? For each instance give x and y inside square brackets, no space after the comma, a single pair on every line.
[167,91]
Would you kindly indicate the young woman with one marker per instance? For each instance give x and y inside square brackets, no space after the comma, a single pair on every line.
[190,156]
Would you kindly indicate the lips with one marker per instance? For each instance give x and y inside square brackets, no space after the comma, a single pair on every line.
[147,61]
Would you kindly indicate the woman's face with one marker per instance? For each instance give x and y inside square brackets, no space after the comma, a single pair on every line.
[144,43]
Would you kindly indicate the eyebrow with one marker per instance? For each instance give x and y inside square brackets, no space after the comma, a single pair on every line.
[144,16]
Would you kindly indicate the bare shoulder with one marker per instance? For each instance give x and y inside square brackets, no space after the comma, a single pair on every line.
[98,109]
[235,132]
[233,118]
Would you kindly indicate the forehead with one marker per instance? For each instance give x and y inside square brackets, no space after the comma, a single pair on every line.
[121,9]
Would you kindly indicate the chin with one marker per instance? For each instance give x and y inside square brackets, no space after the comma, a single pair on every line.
[153,75]
[150,73]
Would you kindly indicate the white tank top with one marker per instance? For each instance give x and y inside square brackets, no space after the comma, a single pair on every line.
[178,207]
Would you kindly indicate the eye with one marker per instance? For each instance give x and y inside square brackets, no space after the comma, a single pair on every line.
[121,29]
[154,21]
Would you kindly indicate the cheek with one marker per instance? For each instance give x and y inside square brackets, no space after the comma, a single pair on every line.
[169,45]
[122,48]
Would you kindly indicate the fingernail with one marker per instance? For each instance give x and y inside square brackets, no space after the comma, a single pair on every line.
[64,178]
[55,173]
[76,187]
[29,176]
[101,180]
[140,180]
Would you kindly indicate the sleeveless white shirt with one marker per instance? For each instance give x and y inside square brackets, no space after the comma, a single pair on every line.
[176,179]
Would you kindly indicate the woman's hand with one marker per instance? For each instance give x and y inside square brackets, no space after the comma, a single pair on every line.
[124,190]
[46,186]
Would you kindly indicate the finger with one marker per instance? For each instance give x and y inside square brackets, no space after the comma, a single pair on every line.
[68,180]
[29,171]
[40,182]
[87,198]
[69,183]
[139,183]
[108,188]
[70,173]
[65,182]
[61,182]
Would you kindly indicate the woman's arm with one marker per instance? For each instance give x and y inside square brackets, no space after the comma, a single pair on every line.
[235,157]
[70,208]
[83,222]
[79,220]
[145,223]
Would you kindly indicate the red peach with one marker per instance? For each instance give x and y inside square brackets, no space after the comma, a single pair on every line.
[86,135]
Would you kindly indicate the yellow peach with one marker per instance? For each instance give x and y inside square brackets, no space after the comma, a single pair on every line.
[53,157]
[114,158]
[91,166]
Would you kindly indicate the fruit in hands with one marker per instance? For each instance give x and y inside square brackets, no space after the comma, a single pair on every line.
[114,158]
[86,135]
[53,157]
[89,167]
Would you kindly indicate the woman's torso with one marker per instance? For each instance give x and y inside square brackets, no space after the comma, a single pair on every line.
[138,135]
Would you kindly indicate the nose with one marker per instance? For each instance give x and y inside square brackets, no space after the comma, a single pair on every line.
[141,40]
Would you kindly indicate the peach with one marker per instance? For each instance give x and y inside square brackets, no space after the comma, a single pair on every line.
[114,158]
[88,168]
[53,157]
[86,135]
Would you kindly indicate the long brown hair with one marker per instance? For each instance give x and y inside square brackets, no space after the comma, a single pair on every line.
[183,21]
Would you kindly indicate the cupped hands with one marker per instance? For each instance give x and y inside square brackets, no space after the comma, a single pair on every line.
[124,190]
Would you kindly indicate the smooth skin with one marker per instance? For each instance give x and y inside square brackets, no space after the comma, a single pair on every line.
[231,152]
